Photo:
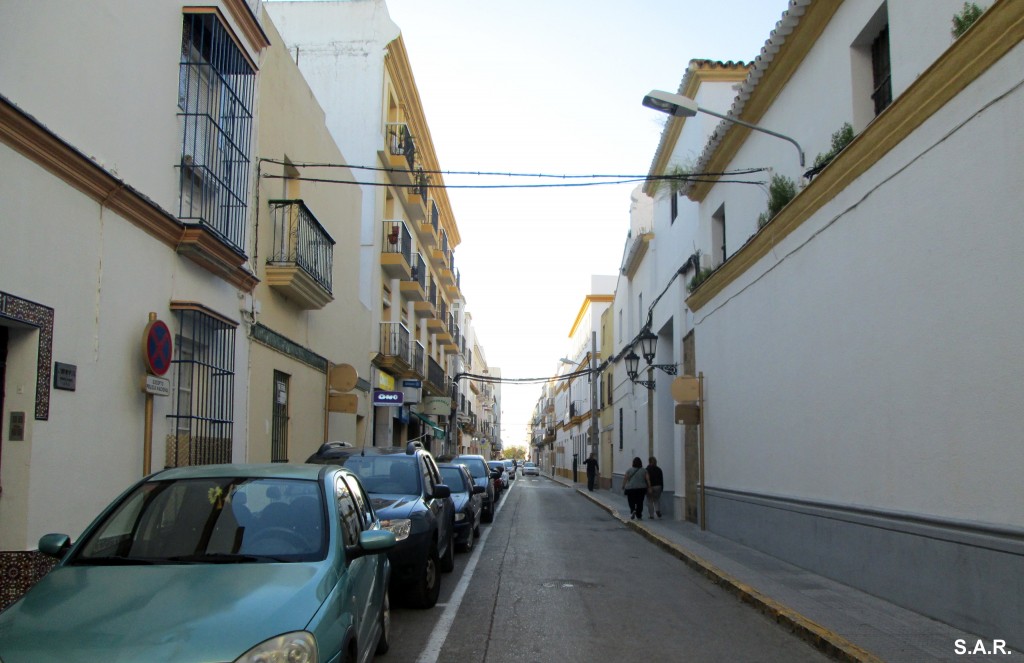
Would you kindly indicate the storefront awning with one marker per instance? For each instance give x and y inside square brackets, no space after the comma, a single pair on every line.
[438,431]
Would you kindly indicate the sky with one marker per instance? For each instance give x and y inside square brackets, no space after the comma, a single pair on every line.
[553,87]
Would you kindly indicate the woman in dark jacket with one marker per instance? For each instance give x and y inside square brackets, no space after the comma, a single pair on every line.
[635,484]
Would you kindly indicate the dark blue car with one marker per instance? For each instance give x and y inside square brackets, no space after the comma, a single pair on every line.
[411,500]
[468,499]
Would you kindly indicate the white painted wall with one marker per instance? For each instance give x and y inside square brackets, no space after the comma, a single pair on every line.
[101,274]
[871,359]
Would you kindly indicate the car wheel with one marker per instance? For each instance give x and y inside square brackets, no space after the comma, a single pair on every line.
[470,540]
[428,586]
[448,561]
[384,643]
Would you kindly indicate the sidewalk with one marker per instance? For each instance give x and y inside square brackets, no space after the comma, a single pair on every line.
[841,621]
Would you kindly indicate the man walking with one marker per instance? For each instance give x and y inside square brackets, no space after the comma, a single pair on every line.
[591,464]
[657,481]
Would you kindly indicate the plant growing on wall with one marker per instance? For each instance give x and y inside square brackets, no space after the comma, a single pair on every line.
[698,278]
[965,18]
[674,177]
[780,192]
[840,139]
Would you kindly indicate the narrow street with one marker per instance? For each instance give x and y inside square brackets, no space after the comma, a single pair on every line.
[555,578]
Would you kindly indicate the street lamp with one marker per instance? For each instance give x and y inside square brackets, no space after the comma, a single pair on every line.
[648,342]
[677,105]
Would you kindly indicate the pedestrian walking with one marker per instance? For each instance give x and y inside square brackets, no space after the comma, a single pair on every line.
[635,484]
[592,468]
[656,479]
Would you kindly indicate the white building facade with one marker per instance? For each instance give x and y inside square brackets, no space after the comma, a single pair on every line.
[127,185]
[861,377]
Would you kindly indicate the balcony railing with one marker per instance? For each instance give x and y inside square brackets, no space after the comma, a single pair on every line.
[435,374]
[422,185]
[397,239]
[432,293]
[395,340]
[400,142]
[418,358]
[435,216]
[419,271]
[299,239]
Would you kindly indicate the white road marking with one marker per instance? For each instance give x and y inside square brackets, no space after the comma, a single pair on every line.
[432,651]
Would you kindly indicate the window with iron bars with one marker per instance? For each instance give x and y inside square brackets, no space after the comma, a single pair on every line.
[203,369]
[215,101]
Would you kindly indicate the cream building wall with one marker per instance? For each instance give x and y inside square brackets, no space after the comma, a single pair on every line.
[292,130]
[90,245]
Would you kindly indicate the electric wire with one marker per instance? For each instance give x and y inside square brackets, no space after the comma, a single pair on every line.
[428,185]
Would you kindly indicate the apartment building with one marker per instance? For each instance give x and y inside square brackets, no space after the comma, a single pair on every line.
[860,416]
[354,58]
[309,329]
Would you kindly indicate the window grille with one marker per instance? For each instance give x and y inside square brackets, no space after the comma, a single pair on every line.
[215,101]
[882,71]
[279,424]
[204,371]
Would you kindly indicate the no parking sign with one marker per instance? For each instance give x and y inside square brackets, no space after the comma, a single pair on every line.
[157,346]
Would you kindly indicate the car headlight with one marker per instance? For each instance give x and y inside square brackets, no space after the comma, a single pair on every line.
[294,647]
[400,527]
[460,516]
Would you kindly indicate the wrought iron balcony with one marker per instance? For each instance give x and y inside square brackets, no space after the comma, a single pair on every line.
[301,259]
[414,288]
[400,143]
[435,378]
[428,227]
[419,356]
[395,348]
[396,249]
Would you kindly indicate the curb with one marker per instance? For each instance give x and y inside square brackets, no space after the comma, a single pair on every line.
[818,636]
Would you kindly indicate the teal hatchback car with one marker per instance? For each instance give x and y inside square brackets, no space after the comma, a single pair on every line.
[225,563]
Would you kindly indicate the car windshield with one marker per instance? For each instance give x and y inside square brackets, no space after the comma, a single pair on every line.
[395,474]
[454,479]
[477,468]
[209,521]
[497,465]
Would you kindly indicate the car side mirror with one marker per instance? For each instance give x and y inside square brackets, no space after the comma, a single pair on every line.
[477,490]
[371,542]
[442,491]
[495,474]
[54,545]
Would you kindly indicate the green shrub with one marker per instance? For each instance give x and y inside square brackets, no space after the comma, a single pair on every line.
[780,192]
[965,19]
[840,139]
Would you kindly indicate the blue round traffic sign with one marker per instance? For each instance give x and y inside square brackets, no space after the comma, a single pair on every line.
[158,347]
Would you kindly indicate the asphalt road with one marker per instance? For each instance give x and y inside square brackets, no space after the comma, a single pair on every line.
[556,579]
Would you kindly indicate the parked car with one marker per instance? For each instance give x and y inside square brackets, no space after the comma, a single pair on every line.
[482,476]
[468,499]
[530,469]
[412,501]
[510,467]
[502,479]
[214,563]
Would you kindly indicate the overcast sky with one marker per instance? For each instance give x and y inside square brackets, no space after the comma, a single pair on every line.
[555,87]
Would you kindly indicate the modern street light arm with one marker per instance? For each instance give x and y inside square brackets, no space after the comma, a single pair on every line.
[757,128]
[680,106]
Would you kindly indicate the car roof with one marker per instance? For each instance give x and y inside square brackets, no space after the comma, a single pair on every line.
[336,450]
[256,471]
